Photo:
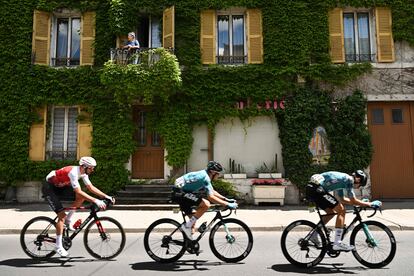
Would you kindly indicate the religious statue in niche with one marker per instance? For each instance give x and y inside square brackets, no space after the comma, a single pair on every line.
[319,146]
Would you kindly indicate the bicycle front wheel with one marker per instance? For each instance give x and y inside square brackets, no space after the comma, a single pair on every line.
[375,245]
[164,241]
[299,248]
[104,238]
[231,240]
[38,238]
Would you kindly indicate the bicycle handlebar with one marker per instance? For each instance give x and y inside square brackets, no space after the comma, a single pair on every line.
[358,209]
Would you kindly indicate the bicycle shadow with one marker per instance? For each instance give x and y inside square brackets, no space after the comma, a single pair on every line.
[52,262]
[187,265]
[322,268]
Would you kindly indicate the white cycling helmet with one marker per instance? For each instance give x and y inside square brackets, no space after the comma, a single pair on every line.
[87,161]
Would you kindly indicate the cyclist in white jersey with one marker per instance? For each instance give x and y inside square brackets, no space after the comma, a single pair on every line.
[318,191]
[188,191]
[57,181]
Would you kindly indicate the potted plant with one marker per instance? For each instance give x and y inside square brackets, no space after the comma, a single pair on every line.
[265,171]
[268,190]
[235,170]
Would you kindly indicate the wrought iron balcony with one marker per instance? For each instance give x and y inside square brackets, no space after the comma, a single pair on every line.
[359,57]
[61,155]
[231,59]
[134,56]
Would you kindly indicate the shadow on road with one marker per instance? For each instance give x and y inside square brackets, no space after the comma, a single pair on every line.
[52,262]
[186,265]
[320,269]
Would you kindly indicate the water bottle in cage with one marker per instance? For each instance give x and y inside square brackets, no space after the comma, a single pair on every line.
[77,224]
[202,227]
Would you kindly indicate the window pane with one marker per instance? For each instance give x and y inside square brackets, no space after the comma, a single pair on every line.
[72,133]
[62,41]
[75,42]
[378,116]
[397,116]
[238,39]
[223,35]
[156,140]
[58,133]
[349,36]
[155,33]
[141,129]
[363,36]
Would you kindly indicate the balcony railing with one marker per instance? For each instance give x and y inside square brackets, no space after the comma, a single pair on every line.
[135,56]
[61,155]
[231,59]
[56,62]
[359,57]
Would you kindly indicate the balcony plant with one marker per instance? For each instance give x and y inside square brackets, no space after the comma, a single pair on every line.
[235,170]
[268,171]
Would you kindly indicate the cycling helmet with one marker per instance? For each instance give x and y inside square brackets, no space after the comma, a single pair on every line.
[88,162]
[214,166]
[317,179]
[362,175]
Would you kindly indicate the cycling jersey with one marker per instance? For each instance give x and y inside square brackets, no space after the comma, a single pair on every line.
[194,182]
[67,176]
[340,182]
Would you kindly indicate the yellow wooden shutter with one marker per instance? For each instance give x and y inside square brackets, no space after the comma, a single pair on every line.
[84,133]
[168,28]
[254,36]
[120,40]
[38,137]
[87,38]
[336,35]
[208,37]
[41,37]
[385,42]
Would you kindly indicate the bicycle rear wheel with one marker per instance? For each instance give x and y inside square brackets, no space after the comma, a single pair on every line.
[376,252]
[104,238]
[297,246]
[38,238]
[231,240]
[164,241]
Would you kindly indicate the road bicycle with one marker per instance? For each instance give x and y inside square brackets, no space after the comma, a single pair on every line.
[230,239]
[374,243]
[104,237]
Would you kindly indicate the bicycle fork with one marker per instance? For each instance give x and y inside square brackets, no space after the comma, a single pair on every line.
[370,239]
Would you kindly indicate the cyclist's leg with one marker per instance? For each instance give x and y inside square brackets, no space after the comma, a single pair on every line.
[188,200]
[79,199]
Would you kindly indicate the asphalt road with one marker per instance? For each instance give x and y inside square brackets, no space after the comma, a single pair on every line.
[266,258]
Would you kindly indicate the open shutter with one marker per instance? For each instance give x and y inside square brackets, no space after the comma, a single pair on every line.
[84,133]
[254,36]
[41,37]
[385,42]
[87,38]
[336,35]
[38,137]
[208,37]
[120,40]
[168,28]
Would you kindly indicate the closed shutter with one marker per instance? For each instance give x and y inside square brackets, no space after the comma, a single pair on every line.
[87,38]
[254,36]
[84,134]
[41,37]
[336,35]
[208,37]
[385,42]
[38,137]
[168,28]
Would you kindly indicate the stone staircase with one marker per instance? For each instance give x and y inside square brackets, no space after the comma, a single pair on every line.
[156,193]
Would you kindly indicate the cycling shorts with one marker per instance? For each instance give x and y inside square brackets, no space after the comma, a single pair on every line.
[52,195]
[320,196]
[186,200]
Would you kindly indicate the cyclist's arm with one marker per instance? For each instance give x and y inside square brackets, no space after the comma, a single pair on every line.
[354,201]
[216,199]
[79,191]
[96,191]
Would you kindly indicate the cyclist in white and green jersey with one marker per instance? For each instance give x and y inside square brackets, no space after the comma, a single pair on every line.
[343,184]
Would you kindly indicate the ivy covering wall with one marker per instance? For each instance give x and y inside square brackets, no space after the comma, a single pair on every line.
[296,42]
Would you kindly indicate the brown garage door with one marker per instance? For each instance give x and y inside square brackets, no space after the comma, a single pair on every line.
[392,167]
[148,159]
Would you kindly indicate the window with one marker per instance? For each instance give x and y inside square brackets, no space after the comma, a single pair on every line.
[149,32]
[66,42]
[377,116]
[64,134]
[357,36]
[397,116]
[230,38]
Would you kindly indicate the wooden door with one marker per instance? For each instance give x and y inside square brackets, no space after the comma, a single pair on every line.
[392,166]
[148,159]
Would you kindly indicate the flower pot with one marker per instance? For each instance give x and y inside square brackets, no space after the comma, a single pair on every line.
[235,176]
[270,175]
[269,193]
